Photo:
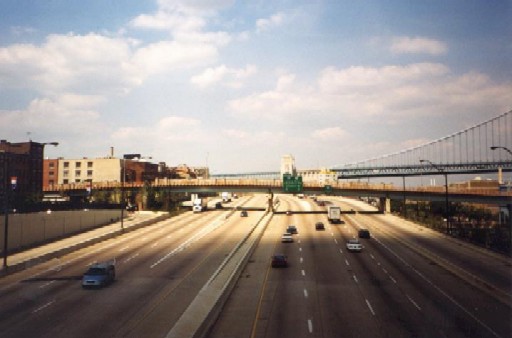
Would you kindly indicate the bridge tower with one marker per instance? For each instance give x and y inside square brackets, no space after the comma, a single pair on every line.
[288,165]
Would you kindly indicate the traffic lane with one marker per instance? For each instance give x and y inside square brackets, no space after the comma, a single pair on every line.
[389,311]
[283,306]
[118,303]
[454,307]
[46,298]
[495,270]
[210,251]
[41,286]
[341,308]
[245,314]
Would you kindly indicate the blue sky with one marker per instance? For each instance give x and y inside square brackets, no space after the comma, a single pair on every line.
[236,85]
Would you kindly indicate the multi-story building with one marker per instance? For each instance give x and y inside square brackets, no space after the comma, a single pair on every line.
[21,163]
[109,169]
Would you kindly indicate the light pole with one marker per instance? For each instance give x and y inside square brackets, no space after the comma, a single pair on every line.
[447,205]
[509,206]
[123,173]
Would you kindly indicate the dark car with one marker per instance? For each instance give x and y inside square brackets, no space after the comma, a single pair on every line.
[218,205]
[319,226]
[243,213]
[99,275]
[279,261]
[292,229]
[364,233]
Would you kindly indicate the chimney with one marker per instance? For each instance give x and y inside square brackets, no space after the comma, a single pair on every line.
[112,152]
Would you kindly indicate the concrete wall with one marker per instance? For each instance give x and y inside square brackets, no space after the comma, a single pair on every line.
[26,230]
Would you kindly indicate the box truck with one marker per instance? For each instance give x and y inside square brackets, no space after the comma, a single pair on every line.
[334,214]
[199,205]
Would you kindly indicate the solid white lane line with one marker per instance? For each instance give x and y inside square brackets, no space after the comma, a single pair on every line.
[310,326]
[370,307]
[413,302]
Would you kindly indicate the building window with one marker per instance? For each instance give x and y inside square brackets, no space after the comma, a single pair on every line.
[77,180]
[89,173]
[66,181]
[78,164]
[65,173]
[78,172]
[66,164]
[51,182]
[89,164]
[51,165]
[51,173]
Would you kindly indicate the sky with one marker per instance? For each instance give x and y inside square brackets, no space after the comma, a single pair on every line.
[235,85]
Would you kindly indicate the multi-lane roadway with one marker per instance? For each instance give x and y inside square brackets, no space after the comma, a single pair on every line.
[407,282]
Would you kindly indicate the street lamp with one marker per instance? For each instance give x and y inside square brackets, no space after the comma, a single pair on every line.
[500,147]
[447,205]
[509,206]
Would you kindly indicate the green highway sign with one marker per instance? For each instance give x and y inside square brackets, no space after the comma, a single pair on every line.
[292,184]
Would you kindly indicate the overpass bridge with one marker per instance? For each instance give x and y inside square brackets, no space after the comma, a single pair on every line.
[340,188]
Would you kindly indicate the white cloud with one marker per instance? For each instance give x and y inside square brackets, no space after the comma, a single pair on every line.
[417,45]
[275,20]
[388,93]
[329,134]
[68,114]
[231,76]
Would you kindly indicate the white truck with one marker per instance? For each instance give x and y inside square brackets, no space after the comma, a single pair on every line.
[226,197]
[333,214]
[200,204]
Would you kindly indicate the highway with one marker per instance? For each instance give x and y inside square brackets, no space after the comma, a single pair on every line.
[407,282]
[393,288]
[160,269]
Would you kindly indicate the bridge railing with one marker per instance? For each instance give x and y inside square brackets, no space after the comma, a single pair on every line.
[276,183]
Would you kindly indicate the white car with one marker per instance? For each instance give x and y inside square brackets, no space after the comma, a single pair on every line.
[354,245]
[287,238]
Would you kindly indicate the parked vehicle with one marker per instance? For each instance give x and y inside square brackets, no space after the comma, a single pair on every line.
[243,213]
[99,275]
[334,214]
[319,226]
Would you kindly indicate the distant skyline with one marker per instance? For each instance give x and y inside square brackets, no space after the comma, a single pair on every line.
[236,85]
